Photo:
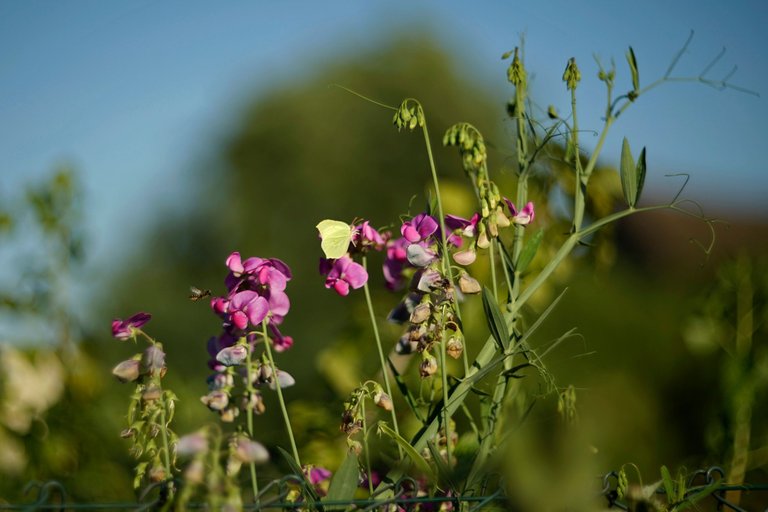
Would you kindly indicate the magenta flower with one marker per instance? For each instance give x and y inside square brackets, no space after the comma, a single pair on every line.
[247,307]
[366,237]
[460,226]
[343,273]
[419,228]
[279,341]
[395,262]
[220,305]
[524,216]
[125,329]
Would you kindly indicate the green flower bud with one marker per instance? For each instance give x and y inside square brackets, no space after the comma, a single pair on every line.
[516,72]
[571,75]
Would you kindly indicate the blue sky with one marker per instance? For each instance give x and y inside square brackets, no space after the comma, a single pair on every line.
[132,93]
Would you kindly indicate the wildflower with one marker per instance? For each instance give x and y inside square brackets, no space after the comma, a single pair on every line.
[420,255]
[366,237]
[192,444]
[395,262]
[280,342]
[419,228]
[524,216]
[468,284]
[459,227]
[220,381]
[126,329]
[247,307]
[127,371]
[316,475]
[454,348]
[153,360]
[343,273]
[383,400]
[248,451]
[466,257]
[232,356]
[216,400]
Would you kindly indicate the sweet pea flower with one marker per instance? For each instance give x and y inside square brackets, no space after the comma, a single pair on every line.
[316,474]
[366,237]
[342,274]
[280,342]
[247,307]
[232,356]
[459,227]
[420,255]
[395,262]
[267,272]
[419,228]
[524,216]
[126,329]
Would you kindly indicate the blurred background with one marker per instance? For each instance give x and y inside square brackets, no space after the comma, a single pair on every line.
[142,142]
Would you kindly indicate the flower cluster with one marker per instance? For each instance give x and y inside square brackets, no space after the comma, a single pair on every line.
[151,407]
[251,311]
[343,274]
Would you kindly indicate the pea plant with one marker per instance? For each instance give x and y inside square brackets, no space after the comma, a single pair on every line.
[456,388]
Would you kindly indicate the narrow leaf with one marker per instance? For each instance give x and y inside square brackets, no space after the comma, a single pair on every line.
[512,371]
[507,259]
[496,322]
[640,172]
[344,481]
[415,457]
[529,251]
[669,485]
[633,69]
[628,174]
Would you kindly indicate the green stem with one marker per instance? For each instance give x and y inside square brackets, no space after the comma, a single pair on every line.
[487,352]
[446,415]
[166,449]
[365,445]
[267,343]
[384,370]
[492,263]
[249,416]
[447,270]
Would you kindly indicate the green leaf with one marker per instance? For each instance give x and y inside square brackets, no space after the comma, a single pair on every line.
[507,259]
[415,456]
[529,251]
[640,173]
[633,69]
[628,174]
[496,322]
[669,484]
[512,372]
[344,481]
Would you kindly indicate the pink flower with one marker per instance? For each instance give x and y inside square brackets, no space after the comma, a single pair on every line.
[343,273]
[125,329]
[247,307]
[524,216]
[419,228]
[395,262]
